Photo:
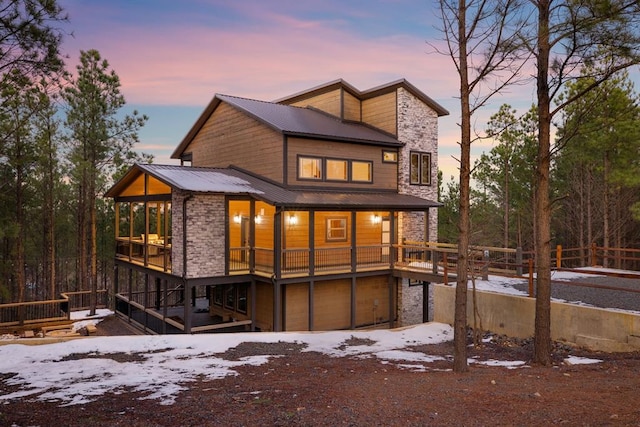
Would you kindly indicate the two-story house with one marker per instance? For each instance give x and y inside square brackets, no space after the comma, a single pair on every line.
[285,215]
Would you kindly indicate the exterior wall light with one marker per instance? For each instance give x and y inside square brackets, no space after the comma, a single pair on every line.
[293,220]
[376,219]
[237,218]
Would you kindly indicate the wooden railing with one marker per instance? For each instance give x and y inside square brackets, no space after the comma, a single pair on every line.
[25,313]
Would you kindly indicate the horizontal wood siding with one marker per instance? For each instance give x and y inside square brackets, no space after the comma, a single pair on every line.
[296,307]
[372,300]
[351,107]
[367,232]
[332,305]
[264,306]
[230,137]
[328,102]
[381,112]
[264,230]
[385,175]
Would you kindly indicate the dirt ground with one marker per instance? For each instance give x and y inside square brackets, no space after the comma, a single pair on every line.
[311,389]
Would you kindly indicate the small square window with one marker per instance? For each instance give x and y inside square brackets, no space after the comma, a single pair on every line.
[336,229]
[361,171]
[337,170]
[309,168]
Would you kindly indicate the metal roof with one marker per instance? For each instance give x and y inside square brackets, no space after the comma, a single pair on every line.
[235,181]
[307,122]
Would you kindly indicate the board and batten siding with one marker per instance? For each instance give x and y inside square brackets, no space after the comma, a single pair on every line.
[380,112]
[385,175]
[329,102]
[230,137]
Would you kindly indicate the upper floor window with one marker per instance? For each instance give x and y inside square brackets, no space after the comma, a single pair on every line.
[389,156]
[309,167]
[328,169]
[361,171]
[337,170]
[420,172]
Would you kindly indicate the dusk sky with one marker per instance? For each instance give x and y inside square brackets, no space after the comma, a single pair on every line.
[173,56]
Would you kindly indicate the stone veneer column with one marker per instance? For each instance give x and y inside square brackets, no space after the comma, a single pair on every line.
[418,130]
[205,234]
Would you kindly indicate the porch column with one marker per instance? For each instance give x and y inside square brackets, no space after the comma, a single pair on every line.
[253,304]
[252,236]
[165,296]
[311,290]
[354,247]
[393,239]
[277,306]
[353,302]
[187,307]
[312,243]
[391,283]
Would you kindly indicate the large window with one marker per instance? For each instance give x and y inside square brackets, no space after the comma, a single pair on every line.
[420,173]
[331,169]
[309,168]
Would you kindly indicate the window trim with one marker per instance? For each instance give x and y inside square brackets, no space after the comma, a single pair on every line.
[422,179]
[329,228]
[326,169]
[307,178]
[370,163]
[389,156]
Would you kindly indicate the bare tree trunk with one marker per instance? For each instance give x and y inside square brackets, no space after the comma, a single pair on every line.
[605,212]
[542,338]
[460,314]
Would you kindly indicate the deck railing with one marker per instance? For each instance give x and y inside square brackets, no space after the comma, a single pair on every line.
[26,313]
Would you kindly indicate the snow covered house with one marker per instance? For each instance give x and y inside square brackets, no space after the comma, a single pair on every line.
[285,215]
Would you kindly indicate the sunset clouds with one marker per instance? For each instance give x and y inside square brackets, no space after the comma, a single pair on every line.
[172,57]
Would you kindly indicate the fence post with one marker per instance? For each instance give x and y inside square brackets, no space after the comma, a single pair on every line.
[594,260]
[519,261]
[485,265]
[559,256]
[531,277]
[446,268]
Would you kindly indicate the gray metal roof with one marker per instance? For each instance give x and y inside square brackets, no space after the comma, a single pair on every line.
[307,122]
[235,181]
[199,180]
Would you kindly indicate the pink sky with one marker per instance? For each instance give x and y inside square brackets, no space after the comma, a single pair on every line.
[177,57]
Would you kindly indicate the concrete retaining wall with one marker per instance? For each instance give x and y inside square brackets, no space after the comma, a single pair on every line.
[593,328]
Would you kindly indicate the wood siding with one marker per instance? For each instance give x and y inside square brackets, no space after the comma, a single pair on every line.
[264,306]
[385,175]
[372,300]
[332,305]
[296,306]
[351,107]
[230,137]
[381,112]
[328,102]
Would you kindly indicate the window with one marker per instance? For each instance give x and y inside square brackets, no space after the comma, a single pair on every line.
[336,229]
[361,171]
[217,295]
[337,170]
[230,297]
[309,168]
[389,156]
[242,299]
[420,173]
[341,170]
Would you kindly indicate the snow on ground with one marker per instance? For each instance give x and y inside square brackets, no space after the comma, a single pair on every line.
[81,370]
